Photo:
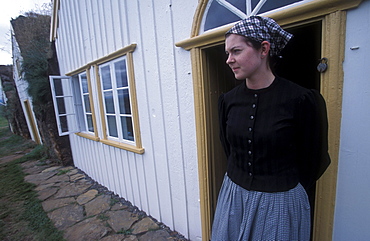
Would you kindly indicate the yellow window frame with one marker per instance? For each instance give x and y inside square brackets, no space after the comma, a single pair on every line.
[128,52]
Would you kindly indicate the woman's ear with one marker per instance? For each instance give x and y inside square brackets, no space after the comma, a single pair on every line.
[265,49]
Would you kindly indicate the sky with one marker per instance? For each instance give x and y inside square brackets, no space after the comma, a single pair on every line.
[12,9]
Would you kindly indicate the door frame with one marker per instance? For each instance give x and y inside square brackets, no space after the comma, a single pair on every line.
[333,16]
[32,123]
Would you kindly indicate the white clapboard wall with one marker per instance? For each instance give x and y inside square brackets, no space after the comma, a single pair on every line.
[164,180]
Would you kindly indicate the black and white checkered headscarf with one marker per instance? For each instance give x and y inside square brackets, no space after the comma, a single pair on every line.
[263,29]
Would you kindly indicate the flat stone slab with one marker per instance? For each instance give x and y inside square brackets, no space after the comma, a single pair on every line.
[118,206]
[49,205]
[56,179]
[30,164]
[144,225]
[89,229]
[69,168]
[33,167]
[72,189]
[87,196]
[131,238]
[44,186]
[67,216]
[121,220]
[50,169]
[98,205]
[76,177]
[34,170]
[118,237]
[37,179]
[159,235]
[46,193]
[72,172]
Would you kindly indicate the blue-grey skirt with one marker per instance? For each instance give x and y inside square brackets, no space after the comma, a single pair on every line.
[251,215]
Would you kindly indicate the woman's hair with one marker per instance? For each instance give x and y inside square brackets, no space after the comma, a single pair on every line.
[271,60]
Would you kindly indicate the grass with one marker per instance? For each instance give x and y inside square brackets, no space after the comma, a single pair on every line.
[21,214]
[10,143]
[125,231]
[103,217]
[113,201]
[3,121]
[62,172]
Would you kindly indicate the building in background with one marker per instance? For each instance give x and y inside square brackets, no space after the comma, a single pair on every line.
[11,106]
[21,84]
[2,94]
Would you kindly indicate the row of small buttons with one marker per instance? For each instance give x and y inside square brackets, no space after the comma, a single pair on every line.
[250,129]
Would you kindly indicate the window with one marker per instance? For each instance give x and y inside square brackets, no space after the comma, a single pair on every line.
[64,107]
[86,105]
[116,98]
[235,10]
[73,106]
[116,95]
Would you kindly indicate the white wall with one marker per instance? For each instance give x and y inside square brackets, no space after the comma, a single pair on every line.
[352,210]
[164,180]
[22,86]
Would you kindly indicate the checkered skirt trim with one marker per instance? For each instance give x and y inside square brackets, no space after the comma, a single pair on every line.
[251,215]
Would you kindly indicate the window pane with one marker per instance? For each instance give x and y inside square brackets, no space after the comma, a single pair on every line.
[63,123]
[84,83]
[87,103]
[121,74]
[124,101]
[61,106]
[112,126]
[127,129]
[58,87]
[214,20]
[109,104]
[105,77]
[90,126]
[270,5]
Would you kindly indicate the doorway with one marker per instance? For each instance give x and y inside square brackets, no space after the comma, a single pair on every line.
[298,64]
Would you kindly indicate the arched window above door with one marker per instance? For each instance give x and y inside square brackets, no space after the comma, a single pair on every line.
[222,12]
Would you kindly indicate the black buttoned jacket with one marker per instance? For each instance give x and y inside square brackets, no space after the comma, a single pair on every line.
[274,137]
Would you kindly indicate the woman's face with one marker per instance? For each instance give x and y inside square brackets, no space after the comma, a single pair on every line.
[244,60]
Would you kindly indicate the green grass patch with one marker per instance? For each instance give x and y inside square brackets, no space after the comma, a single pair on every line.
[21,214]
[19,205]
[113,202]
[125,231]
[10,143]
[3,120]
[103,217]
[39,152]
[62,172]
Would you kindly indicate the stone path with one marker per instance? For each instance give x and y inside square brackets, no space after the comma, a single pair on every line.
[85,210]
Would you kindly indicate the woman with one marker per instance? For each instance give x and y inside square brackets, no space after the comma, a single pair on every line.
[274,133]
